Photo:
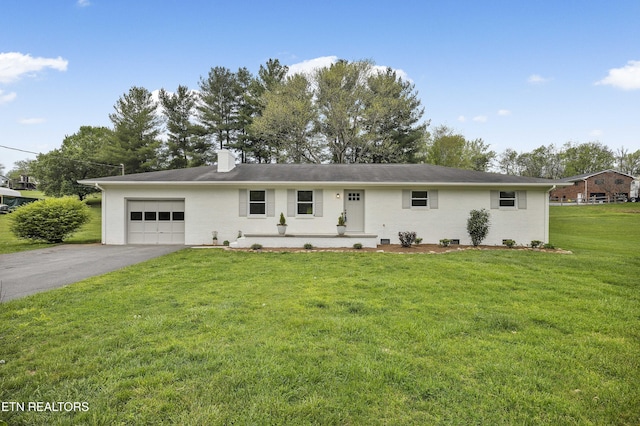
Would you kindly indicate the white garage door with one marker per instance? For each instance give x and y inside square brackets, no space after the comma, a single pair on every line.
[155,221]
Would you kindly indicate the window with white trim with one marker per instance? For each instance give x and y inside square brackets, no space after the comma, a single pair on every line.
[507,199]
[419,198]
[304,202]
[257,202]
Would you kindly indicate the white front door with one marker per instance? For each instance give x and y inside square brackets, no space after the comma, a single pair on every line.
[354,206]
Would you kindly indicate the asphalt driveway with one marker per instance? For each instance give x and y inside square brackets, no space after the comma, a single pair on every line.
[30,272]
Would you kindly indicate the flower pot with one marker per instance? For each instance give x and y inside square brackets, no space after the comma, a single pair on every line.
[341,229]
[282,229]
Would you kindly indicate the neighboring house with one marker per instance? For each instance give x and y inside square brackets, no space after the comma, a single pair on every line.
[186,206]
[606,185]
[23,183]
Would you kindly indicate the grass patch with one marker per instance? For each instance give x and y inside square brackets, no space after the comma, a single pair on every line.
[214,337]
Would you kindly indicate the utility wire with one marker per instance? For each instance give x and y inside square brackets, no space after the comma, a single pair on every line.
[70,159]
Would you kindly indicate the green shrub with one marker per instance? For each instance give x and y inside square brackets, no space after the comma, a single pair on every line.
[509,243]
[549,246]
[418,240]
[536,243]
[256,246]
[225,243]
[445,242]
[357,246]
[407,238]
[51,219]
[308,246]
[478,226]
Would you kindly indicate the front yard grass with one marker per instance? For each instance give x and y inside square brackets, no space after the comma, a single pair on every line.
[216,337]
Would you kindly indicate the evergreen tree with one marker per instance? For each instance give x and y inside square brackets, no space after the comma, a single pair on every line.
[136,126]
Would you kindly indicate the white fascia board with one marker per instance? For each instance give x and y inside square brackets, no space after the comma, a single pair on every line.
[352,184]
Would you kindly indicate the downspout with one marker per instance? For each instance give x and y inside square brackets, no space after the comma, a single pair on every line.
[103,214]
[546,215]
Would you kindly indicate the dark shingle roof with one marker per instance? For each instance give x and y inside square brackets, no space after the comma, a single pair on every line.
[585,176]
[357,173]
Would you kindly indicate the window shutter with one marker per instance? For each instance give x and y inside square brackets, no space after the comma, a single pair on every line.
[291,202]
[433,199]
[242,209]
[495,199]
[271,202]
[522,200]
[406,199]
[317,202]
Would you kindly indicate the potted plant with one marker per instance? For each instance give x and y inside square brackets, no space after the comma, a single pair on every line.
[342,227]
[282,225]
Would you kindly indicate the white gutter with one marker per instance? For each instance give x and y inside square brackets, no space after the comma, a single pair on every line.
[323,183]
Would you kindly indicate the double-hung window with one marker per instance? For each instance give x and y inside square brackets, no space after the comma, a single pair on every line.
[304,202]
[507,199]
[419,198]
[257,203]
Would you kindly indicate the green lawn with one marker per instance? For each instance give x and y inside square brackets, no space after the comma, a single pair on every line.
[213,337]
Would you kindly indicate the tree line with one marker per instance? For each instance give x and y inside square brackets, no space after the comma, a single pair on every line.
[350,112]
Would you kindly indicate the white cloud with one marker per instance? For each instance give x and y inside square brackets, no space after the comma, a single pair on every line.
[537,79]
[309,66]
[504,112]
[625,78]
[480,118]
[31,121]
[6,98]
[13,65]
[596,133]
[462,118]
[83,3]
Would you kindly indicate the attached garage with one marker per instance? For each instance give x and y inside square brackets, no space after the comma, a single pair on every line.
[155,221]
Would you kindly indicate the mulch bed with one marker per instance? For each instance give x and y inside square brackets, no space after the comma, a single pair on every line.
[397,248]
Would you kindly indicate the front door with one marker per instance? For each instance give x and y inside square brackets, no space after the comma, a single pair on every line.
[354,206]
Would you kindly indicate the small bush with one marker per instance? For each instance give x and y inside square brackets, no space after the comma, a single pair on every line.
[418,240]
[357,246]
[308,246]
[51,220]
[225,243]
[478,226]
[509,243]
[536,243]
[445,242]
[407,238]
[256,246]
[549,246]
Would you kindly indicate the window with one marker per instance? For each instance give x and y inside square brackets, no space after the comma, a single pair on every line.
[507,199]
[164,216]
[179,216]
[136,216]
[599,181]
[150,216]
[305,203]
[419,198]
[619,181]
[257,203]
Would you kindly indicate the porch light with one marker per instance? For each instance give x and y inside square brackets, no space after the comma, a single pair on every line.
[338,195]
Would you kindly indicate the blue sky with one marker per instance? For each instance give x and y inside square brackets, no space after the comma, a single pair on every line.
[518,74]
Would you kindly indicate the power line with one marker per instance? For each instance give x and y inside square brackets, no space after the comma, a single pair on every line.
[70,159]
